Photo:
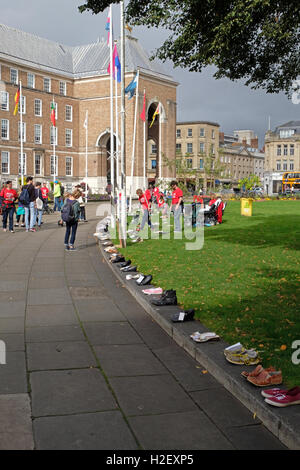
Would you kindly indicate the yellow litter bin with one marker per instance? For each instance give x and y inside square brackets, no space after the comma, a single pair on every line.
[246,206]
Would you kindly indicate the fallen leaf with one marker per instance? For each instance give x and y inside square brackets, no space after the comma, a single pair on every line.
[283,347]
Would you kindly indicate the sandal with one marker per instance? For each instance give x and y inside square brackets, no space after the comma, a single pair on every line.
[204,337]
[248,357]
[257,371]
[264,379]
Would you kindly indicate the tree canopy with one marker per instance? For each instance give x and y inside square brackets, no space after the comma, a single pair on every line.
[254,40]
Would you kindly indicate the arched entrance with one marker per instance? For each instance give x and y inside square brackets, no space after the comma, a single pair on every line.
[155,118]
[103,142]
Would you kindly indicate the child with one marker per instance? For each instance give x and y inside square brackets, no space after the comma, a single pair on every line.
[163,206]
[20,213]
[71,226]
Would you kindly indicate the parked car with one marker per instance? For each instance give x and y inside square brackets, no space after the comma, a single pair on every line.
[258,191]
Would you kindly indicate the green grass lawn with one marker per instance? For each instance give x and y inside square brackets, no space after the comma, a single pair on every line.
[244,283]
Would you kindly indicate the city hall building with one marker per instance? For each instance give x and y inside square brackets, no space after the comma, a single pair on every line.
[77,81]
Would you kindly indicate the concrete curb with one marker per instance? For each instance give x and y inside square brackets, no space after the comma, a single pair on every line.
[284,423]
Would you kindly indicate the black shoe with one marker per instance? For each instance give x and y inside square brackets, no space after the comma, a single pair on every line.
[166,299]
[186,315]
[125,264]
[146,280]
[129,269]
[118,259]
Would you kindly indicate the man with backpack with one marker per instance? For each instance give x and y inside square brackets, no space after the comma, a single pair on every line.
[70,215]
[27,199]
[8,197]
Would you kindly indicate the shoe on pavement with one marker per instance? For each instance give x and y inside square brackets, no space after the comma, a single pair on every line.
[125,264]
[118,259]
[291,397]
[146,280]
[153,291]
[272,392]
[129,269]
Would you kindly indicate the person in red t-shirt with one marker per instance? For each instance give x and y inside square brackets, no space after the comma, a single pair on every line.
[45,192]
[177,199]
[145,202]
[8,197]
[156,193]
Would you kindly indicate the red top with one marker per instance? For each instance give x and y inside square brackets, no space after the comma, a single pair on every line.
[160,202]
[45,192]
[144,201]
[9,196]
[148,194]
[156,193]
[176,195]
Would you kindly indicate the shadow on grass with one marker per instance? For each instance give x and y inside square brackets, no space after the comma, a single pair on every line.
[271,231]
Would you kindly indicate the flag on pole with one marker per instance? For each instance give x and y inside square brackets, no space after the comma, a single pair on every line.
[107,28]
[116,63]
[156,112]
[143,113]
[85,124]
[17,100]
[53,114]
[131,87]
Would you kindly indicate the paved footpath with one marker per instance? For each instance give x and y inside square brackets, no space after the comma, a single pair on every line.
[86,366]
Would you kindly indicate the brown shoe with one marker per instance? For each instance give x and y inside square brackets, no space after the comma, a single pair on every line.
[264,379]
[257,371]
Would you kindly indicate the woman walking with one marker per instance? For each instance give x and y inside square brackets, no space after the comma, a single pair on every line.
[70,215]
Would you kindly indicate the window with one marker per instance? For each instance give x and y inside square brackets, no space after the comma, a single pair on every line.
[178,148]
[278,166]
[285,150]
[24,164]
[23,131]
[202,132]
[212,149]
[201,163]
[189,148]
[53,136]
[202,147]
[154,149]
[37,164]
[189,163]
[37,134]
[31,80]
[4,101]
[286,133]
[153,164]
[62,88]
[5,162]
[52,169]
[278,150]
[69,166]
[291,165]
[4,129]
[47,85]
[212,133]
[69,113]
[69,137]
[23,105]
[178,133]
[38,107]
[14,76]
[190,133]
[284,165]
[292,149]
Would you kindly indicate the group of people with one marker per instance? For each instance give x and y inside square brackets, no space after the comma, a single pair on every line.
[153,196]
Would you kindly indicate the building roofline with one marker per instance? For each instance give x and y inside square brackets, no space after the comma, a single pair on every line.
[180,123]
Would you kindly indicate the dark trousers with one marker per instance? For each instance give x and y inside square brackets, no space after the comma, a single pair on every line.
[82,213]
[8,212]
[71,230]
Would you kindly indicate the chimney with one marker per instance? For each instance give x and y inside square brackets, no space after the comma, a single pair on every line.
[221,137]
[254,143]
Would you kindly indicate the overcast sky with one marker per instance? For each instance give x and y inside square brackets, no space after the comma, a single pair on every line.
[199,96]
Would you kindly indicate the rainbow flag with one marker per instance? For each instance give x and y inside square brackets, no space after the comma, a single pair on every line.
[17,100]
[53,114]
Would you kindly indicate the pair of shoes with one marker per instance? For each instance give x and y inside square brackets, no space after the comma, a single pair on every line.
[264,378]
[237,354]
[168,297]
[125,264]
[72,248]
[204,337]
[153,291]
[16,225]
[144,280]
[67,248]
[22,225]
[5,230]
[129,269]
[187,315]
[258,369]
[118,259]
[282,398]
[132,276]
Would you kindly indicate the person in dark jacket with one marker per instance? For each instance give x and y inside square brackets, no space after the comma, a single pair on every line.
[71,227]
[30,209]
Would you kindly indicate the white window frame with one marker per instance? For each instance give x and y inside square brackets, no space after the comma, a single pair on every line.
[69,110]
[24,163]
[46,80]
[178,133]
[69,160]
[16,80]
[29,85]
[202,145]
[23,131]
[8,162]
[22,105]
[36,134]
[202,132]
[63,88]
[40,107]
[52,165]
[69,138]
[190,132]
[5,93]
[7,129]
[40,173]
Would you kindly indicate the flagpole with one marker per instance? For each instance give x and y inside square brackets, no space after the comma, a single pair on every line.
[145,151]
[54,140]
[86,154]
[160,162]
[112,166]
[123,122]
[117,144]
[21,131]
[134,138]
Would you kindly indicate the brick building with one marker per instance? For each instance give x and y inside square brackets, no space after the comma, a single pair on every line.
[76,79]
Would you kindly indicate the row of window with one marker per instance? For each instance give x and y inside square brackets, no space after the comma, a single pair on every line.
[189,148]
[38,164]
[38,133]
[284,165]
[14,79]
[38,107]
[285,149]
[190,133]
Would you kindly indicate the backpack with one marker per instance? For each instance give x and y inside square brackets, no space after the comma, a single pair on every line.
[24,197]
[67,213]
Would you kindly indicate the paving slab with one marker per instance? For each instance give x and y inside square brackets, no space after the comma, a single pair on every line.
[13,374]
[253,437]
[92,431]
[49,296]
[69,392]
[13,341]
[15,422]
[12,309]
[100,333]
[60,333]
[50,315]
[98,310]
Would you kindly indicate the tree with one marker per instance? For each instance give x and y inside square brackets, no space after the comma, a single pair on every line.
[254,40]
[249,182]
